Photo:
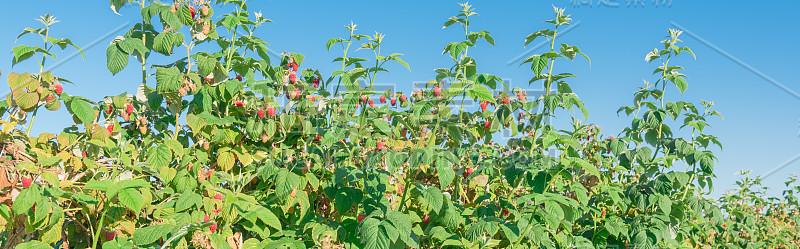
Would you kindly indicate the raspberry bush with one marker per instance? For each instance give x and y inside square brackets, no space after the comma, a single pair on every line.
[234,148]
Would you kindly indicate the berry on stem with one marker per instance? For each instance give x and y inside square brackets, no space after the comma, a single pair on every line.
[239,78]
[26,182]
[261,113]
[271,111]
[129,108]
[487,124]
[293,78]
[383,99]
[58,88]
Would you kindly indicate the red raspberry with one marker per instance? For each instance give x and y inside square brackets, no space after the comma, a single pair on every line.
[505,212]
[109,109]
[206,219]
[383,99]
[467,172]
[209,173]
[26,182]
[192,11]
[297,93]
[58,88]
[487,124]
[294,67]
[110,128]
[394,102]
[129,108]
[319,137]
[361,217]
[437,91]
[216,212]
[427,219]
[371,103]
[506,101]
[403,98]
[110,236]
[261,113]
[239,78]
[484,104]
[49,97]
[380,145]
[316,82]
[293,78]
[213,227]
[271,111]
[364,98]
[218,196]
[210,80]
[238,103]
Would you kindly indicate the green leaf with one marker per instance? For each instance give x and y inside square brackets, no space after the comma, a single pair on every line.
[131,198]
[433,196]
[163,43]
[159,156]
[286,182]
[149,234]
[680,83]
[481,92]
[372,235]
[116,59]
[188,200]
[34,244]
[82,109]
[168,79]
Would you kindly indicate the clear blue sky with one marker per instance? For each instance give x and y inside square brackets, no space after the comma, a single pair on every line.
[760,130]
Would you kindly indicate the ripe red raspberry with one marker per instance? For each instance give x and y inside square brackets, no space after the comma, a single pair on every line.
[521,97]
[218,196]
[293,78]
[239,78]
[209,173]
[238,103]
[213,227]
[383,99]
[49,97]
[318,138]
[110,128]
[216,212]
[437,91]
[206,219]
[379,145]
[484,104]
[192,11]
[394,102]
[506,101]
[467,172]
[297,93]
[611,138]
[505,212]
[403,98]
[316,82]
[210,80]
[427,219]
[361,217]
[58,88]
[85,154]
[371,103]
[26,182]
[110,236]
[109,109]
[487,124]
[294,67]
[364,98]
[271,111]
[261,113]
[129,108]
